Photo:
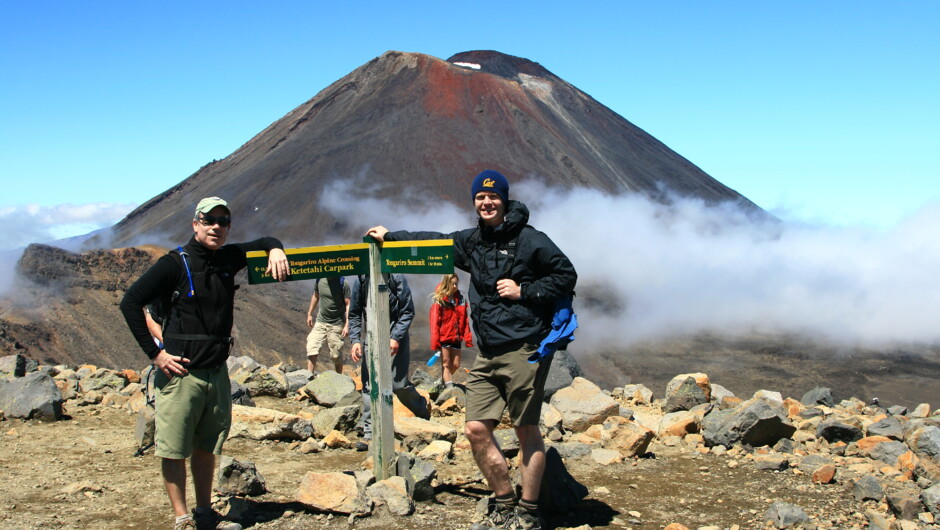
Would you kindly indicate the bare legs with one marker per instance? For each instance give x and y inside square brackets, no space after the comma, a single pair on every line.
[202,465]
[490,460]
[450,362]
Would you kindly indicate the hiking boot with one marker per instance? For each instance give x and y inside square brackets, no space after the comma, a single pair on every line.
[211,520]
[185,522]
[362,445]
[525,520]
[497,516]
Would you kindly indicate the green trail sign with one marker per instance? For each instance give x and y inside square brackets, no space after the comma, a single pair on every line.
[433,256]
[313,262]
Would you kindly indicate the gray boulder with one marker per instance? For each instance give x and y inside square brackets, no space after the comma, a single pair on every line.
[685,396]
[508,442]
[103,380]
[453,392]
[419,474]
[889,427]
[33,396]
[146,427]
[583,404]
[818,396]
[785,515]
[888,452]
[13,365]
[868,488]
[925,441]
[393,494]
[569,450]
[755,422]
[266,382]
[243,364]
[904,505]
[835,431]
[897,410]
[931,499]
[240,395]
[237,477]
[561,373]
[811,462]
[420,377]
[329,387]
[341,419]
[297,379]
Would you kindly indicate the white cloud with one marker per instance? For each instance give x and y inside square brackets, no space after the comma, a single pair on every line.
[659,270]
[22,225]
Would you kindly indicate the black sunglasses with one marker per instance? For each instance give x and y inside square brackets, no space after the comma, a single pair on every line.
[209,220]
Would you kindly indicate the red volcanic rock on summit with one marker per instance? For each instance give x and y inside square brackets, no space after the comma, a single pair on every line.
[411,120]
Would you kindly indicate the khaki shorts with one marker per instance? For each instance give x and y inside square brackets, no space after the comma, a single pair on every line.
[331,334]
[193,411]
[507,380]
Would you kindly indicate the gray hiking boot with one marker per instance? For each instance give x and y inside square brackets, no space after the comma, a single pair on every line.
[525,520]
[211,520]
[497,516]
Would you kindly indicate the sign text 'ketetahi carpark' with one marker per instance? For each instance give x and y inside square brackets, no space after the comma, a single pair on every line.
[433,256]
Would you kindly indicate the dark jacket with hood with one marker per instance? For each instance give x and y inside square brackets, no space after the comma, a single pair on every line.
[401,308]
[540,268]
[208,312]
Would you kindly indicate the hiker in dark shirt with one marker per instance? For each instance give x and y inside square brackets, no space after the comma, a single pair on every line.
[517,274]
[195,285]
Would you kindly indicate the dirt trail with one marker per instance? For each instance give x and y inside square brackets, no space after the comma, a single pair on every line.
[81,473]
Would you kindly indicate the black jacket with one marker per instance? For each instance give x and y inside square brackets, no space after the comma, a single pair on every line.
[535,263]
[208,312]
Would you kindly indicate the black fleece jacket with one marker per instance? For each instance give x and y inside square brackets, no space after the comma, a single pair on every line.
[209,311]
[539,267]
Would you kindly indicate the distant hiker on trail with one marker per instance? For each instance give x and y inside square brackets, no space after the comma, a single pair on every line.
[195,284]
[516,275]
[331,295]
[450,327]
[401,309]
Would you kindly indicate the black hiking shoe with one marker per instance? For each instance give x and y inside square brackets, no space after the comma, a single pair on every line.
[498,515]
[212,520]
[362,445]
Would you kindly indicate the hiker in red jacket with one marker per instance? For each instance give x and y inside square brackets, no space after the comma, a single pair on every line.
[449,325]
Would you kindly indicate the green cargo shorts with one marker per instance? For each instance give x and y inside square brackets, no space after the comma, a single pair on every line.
[193,411]
[510,381]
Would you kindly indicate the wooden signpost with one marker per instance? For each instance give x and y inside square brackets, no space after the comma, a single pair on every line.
[406,257]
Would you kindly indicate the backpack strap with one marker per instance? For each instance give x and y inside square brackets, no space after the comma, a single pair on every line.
[174,298]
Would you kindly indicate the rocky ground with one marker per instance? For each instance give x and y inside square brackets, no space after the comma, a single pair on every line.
[82,472]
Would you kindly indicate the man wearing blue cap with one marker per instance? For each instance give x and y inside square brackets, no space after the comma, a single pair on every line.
[516,275]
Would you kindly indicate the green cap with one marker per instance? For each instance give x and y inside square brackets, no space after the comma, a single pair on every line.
[206,205]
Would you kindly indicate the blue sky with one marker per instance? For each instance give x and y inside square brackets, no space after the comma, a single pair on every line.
[822,112]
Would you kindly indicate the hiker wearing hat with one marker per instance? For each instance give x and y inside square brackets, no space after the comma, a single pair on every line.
[195,285]
[516,275]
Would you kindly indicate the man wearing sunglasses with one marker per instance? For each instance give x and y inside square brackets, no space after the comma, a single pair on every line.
[196,286]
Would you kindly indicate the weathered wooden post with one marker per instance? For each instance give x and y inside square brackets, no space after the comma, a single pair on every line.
[379,361]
